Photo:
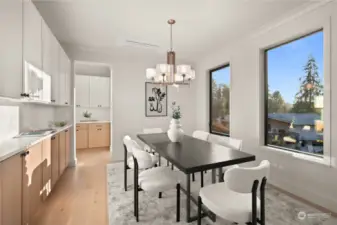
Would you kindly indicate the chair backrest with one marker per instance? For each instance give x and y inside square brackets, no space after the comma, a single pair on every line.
[129,143]
[230,142]
[152,130]
[241,179]
[202,135]
[144,159]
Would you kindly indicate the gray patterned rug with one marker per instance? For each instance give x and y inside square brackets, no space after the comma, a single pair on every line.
[280,208]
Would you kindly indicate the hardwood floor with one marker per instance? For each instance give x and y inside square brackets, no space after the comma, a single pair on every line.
[79,197]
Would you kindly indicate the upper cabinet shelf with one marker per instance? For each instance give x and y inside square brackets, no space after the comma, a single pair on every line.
[34,66]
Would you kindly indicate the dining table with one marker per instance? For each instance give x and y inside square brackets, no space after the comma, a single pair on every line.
[191,155]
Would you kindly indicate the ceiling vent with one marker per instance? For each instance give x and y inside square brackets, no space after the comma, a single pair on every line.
[138,44]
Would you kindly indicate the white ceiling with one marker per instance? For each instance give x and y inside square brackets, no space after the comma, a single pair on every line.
[202,25]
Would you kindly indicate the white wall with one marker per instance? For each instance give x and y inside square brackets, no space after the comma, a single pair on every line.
[129,96]
[312,181]
[97,113]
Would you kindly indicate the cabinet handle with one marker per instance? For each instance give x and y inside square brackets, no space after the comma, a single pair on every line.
[28,152]
[66,131]
[53,138]
[53,100]
[23,154]
[76,130]
[66,103]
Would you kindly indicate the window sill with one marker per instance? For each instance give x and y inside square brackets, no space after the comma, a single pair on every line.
[325,161]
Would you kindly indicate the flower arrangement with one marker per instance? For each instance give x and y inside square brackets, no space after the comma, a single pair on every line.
[176,114]
[87,114]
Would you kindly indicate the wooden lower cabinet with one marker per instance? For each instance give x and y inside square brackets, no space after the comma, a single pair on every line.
[32,183]
[54,160]
[11,191]
[46,168]
[27,179]
[67,147]
[99,135]
[82,139]
[62,152]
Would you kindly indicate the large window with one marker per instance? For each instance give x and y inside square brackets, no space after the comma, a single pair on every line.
[219,100]
[294,95]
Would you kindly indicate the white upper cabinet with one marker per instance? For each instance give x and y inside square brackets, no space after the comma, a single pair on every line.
[11,48]
[64,80]
[82,91]
[99,91]
[32,38]
[69,83]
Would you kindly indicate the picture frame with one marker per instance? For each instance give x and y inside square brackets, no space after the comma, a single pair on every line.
[155,100]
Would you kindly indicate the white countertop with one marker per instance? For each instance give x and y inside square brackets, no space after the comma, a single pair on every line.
[98,121]
[16,146]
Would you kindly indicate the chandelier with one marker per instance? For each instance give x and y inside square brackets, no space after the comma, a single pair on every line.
[169,73]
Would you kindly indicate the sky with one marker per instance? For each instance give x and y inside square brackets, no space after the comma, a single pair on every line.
[285,65]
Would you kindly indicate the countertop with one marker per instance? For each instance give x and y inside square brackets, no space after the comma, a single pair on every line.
[98,121]
[16,146]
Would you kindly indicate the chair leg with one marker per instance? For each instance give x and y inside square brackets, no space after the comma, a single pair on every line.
[202,179]
[172,168]
[262,202]
[199,210]
[159,162]
[125,170]
[178,202]
[160,195]
[167,163]
[254,205]
[193,177]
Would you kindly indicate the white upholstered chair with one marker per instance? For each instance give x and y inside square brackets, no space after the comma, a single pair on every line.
[128,161]
[236,199]
[202,135]
[156,179]
[229,142]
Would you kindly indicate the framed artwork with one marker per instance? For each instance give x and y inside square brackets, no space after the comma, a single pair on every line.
[155,100]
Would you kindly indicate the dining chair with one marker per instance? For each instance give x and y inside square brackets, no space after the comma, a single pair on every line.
[236,199]
[202,135]
[229,142]
[146,147]
[128,144]
[154,180]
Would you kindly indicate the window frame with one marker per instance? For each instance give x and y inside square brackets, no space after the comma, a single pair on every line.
[210,97]
[326,74]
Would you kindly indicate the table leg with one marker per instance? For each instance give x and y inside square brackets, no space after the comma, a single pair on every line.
[220,175]
[213,176]
[188,197]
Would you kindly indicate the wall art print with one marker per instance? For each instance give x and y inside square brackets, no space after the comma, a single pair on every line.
[155,100]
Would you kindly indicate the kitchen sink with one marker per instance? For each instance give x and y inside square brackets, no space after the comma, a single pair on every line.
[42,132]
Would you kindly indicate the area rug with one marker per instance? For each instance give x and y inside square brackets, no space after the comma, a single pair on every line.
[280,208]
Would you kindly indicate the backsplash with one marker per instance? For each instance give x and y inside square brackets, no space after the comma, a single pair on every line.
[97,113]
[18,117]
[9,125]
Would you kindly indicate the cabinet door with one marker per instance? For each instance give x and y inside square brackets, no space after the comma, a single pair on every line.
[62,76]
[62,152]
[32,183]
[81,139]
[69,85]
[67,147]
[11,190]
[11,48]
[99,91]
[99,135]
[32,38]
[54,160]
[46,168]
[82,91]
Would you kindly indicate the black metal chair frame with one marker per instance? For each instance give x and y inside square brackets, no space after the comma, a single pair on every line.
[255,219]
[137,189]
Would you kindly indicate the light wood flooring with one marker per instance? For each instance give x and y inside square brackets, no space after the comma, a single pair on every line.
[80,196]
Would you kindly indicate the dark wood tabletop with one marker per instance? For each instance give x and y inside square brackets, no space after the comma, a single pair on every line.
[194,155]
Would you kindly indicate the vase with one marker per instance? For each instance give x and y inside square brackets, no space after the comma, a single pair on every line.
[175,133]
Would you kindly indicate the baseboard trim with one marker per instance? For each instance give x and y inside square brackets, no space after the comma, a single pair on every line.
[318,207]
[73,163]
